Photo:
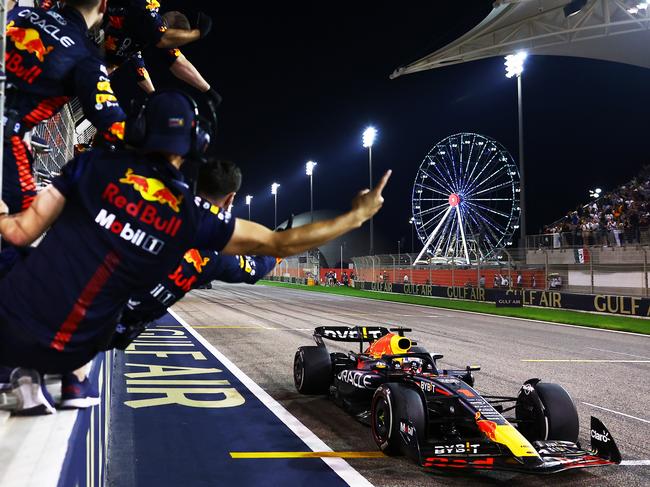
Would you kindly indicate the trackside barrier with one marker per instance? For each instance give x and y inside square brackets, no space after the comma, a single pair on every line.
[601,303]
[85,460]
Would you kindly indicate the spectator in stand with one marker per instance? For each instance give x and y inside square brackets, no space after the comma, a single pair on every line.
[481,281]
[533,283]
[497,280]
[520,280]
[406,279]
[345,279]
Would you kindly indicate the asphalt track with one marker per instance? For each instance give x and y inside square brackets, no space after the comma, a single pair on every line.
[259,328]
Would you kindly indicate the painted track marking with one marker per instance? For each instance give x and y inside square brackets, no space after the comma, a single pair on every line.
[619,353]
[340,466]
[307,454]
[589,361]
[616,412]
[635,462]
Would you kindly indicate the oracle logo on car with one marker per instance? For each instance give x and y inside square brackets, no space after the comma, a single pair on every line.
[357,379]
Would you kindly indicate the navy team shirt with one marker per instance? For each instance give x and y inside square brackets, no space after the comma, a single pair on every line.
[48,60]
[196,268]
[127,220]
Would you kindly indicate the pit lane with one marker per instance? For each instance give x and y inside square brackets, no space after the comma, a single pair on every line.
[259,328]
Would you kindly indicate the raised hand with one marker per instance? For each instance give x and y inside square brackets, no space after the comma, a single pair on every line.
[367,203]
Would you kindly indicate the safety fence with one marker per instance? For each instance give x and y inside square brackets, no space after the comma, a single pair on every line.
[591,270]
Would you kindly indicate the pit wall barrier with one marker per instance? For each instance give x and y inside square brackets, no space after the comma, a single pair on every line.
[86,457]
[600,303]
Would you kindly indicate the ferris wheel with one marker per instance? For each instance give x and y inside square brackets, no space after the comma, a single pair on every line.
[466,199]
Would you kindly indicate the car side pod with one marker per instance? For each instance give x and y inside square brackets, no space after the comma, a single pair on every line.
[602,443]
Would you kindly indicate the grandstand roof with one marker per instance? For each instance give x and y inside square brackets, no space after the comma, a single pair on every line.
[602,29]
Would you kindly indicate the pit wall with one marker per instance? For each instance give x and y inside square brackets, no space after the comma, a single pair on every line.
[85,461]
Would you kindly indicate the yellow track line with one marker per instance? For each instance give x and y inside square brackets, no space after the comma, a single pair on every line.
[587,361]
[306,454]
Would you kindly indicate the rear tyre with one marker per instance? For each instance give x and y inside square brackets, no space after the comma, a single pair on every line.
[548,411]
[393,404]
[312,370]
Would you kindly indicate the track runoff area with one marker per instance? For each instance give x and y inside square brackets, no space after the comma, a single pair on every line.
[207,397]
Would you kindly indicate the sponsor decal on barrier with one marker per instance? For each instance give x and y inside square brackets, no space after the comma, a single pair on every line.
[508,300]
[602,303]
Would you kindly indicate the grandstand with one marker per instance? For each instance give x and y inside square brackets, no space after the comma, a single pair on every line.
[615,218]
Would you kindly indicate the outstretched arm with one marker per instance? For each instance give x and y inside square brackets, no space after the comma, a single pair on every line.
[252,238]
[184,70]
[23,228]
[178,38]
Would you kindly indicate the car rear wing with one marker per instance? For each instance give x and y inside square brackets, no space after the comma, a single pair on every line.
[356,334]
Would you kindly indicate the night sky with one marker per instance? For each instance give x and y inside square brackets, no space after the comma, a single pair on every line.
[300,87]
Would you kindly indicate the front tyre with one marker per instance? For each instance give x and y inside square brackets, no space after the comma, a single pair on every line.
[395,410]
[312,370]
[547,412]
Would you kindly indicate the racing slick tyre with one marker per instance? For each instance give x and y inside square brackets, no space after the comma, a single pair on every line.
[547,411]
[312,370]
[393,405]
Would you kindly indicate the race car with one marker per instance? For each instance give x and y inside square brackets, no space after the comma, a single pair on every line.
[436,417]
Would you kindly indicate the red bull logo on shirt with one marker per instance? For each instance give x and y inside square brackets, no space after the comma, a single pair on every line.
[152,190]
[142,211]
[27,39]
[193,256]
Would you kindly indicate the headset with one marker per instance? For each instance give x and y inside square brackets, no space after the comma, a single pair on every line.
[135,131]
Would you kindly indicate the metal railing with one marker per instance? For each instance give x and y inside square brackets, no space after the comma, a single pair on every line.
[588,270]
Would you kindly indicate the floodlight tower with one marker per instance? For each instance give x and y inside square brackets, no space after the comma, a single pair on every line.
[309,170]
[369,136]
[274,192]
[515,67]
[249,200]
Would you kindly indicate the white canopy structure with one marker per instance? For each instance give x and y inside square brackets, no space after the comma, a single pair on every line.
[611,30]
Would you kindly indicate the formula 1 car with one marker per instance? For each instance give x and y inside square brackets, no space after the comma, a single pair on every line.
[436,417]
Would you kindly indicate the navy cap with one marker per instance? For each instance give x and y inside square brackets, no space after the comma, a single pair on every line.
[170,117]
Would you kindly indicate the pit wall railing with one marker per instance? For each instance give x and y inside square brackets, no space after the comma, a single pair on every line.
[588,270]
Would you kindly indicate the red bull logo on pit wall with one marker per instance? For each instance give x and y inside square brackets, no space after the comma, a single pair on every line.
[152,190]
[27,39]
[193,256]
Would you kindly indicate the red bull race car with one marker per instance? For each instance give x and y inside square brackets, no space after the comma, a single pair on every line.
[436,417]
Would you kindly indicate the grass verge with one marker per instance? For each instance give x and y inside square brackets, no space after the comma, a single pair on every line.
[593,320]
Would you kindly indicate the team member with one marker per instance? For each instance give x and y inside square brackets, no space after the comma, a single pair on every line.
[119,220]
[218,183]
[48,60]
[134,25]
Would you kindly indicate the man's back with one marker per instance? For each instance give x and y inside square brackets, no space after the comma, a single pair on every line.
[49,59]
[127,220]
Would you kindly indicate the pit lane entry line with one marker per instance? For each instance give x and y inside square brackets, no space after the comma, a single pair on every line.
[338,465]
[615,412]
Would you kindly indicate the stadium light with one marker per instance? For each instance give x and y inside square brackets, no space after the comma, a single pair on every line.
[369,136]
[309,169]
[515,64]
[249,200]
[515,67]
[274,192]
[595,193]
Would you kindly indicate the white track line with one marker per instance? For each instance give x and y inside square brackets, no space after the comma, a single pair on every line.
[616,412]
[635,462]
[619,353]
[450,310]
[340,466]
